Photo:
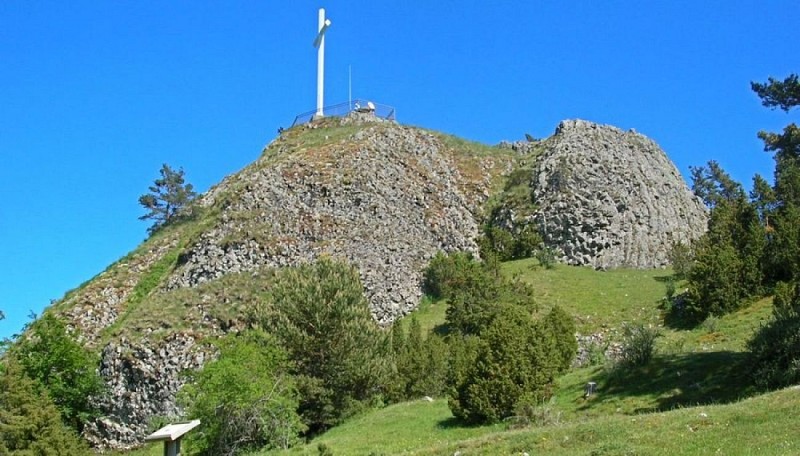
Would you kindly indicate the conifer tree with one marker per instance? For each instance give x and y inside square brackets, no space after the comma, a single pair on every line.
[168,196]
[29,421]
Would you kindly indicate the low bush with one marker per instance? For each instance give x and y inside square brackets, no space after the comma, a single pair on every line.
[638,345]
[245,399]
[775,347]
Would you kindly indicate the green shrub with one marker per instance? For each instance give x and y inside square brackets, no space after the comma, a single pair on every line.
[421,364]
[546,257]
[681,258]
[340,357]
[530,412]
[447,274]
[245,399]
[52,357]
[775,347]
[561,327]
[507,245]
[638,345]
[711,324]
[514,357]
[714,285]
[30,423]
[498,241]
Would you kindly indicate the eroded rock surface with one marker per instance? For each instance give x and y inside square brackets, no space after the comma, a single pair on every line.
[609,198]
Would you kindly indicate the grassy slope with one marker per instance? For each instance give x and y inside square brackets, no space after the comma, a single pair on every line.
[652,410]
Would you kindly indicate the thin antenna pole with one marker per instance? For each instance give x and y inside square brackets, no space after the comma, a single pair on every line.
[349,88]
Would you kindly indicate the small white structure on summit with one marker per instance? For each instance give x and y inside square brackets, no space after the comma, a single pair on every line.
[319,43]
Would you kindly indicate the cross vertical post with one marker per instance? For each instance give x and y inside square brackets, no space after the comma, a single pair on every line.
[319,43]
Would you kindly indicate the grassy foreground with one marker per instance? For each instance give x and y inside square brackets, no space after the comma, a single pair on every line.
[694,398]
[763,425]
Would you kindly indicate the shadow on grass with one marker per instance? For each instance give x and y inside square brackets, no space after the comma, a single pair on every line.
[666,278]
[451,423]
[682,380]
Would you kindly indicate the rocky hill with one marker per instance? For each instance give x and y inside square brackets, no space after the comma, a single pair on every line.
[379,195]
[382,196]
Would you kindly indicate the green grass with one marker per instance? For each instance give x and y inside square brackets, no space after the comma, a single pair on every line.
[397,429]
[764,425]
[597,299]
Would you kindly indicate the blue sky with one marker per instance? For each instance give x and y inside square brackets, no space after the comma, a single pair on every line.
[95,96]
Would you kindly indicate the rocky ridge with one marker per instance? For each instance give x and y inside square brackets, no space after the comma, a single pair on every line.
[385,199]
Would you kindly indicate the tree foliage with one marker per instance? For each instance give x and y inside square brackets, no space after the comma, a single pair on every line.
[340,357]
[30,424]
[515,358]
[245,399]
[728,263]
[62,368]
[420,362]
[502,352]
[775,347]
[775,93]
[168,195]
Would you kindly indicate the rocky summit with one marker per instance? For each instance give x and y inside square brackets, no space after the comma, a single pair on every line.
[378,195]
[609,198]
[381,196]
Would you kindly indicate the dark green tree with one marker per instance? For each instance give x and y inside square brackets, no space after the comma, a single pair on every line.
[61,367]
[30,424]
[515,357]
[168,196]
[561,328]
[775,347]
[421,364]
[728,262]
[245,399]
[775,93]
[340,356]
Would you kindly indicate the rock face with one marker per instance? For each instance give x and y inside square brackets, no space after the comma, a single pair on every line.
[386,201]
[378,195]
[143,381]
[608,198]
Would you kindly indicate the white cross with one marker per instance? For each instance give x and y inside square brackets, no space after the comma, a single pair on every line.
[319,43]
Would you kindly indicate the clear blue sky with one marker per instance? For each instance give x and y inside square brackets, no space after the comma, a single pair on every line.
[95,96]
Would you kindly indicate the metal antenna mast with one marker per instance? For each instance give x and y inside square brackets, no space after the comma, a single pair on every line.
[319,43]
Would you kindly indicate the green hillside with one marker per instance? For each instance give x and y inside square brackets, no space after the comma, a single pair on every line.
[690,397]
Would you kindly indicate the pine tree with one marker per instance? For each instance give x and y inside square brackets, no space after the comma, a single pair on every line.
[168,196]
[341,358]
